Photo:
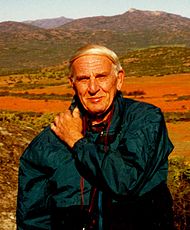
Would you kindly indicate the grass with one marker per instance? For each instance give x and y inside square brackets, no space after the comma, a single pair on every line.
[33,96]
[34,120]
[179,184]
[157,61]
[152,61]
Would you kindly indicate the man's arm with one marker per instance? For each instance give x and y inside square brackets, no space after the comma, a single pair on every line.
[134,158]
[32,200]
[133,162]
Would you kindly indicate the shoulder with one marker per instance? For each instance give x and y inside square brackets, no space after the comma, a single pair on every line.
[45,138]
[45,148]
[136,107]
[140,112]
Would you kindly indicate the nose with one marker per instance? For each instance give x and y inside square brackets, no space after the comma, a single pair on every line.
[93,86]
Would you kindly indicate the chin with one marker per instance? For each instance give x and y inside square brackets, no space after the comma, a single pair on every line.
[96,113]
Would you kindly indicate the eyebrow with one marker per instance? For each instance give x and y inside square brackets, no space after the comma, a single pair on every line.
[96,74]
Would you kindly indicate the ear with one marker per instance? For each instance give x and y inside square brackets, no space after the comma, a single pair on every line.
[71,82]
[120,78]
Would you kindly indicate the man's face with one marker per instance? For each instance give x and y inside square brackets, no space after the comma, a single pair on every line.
[95,82]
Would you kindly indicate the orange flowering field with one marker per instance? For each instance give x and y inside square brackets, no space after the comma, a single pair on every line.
[171,93]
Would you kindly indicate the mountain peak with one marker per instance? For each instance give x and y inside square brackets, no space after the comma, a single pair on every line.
[132,10]
[49,22]
[148,12]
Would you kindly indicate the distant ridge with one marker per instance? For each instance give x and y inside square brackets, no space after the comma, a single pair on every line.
[12,31]
[132,20]
[49,23]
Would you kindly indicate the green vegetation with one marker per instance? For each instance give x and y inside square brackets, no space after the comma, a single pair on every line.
[179,184]
[184,97]
[134,93]
[34,120]
[157,61]
[177,116]
[153,61]
[43,96]
[51,76]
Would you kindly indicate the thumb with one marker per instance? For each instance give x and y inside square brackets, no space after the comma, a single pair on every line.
[76,112]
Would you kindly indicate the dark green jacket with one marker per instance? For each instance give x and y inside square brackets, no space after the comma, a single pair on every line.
[135,163]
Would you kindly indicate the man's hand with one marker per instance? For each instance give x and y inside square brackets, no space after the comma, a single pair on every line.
[68,126]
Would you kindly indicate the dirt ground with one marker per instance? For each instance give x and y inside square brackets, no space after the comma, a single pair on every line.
[162,91]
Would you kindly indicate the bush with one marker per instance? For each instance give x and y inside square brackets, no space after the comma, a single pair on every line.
[179,184]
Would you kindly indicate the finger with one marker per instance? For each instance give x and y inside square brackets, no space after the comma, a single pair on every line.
[60,118]
[56,120]
[66,115]
[53,127]
[76,112]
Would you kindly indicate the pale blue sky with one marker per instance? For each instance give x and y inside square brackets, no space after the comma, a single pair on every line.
[20,10]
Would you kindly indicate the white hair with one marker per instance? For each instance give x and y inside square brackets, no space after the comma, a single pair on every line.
[94,49]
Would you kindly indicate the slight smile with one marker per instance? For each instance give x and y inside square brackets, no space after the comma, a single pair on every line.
[95,99]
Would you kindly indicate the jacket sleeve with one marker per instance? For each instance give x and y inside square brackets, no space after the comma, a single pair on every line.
[135,161]
[33,195]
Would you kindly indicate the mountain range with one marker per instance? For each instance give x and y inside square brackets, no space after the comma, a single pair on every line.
[49,22]
[46,42]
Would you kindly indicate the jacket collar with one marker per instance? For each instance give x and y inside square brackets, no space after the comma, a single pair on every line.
[117,110]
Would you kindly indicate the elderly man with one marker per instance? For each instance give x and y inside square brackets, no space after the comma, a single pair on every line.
[103,163]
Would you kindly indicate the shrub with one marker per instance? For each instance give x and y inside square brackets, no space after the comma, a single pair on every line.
[179,184]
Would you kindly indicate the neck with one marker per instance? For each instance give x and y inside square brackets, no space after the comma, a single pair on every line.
[97,119]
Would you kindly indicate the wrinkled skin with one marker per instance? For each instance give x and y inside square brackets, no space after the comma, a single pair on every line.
[96,82]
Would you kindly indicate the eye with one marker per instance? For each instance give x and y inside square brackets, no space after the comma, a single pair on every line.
[101,77]
[82,79]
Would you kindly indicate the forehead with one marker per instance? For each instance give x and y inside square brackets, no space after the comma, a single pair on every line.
[91,63]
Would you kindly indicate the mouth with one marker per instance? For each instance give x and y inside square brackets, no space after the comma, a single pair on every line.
[95,99]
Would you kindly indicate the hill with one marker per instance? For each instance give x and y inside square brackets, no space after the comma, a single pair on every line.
[27,47]
[132,21]
[132,30]
[49,22]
